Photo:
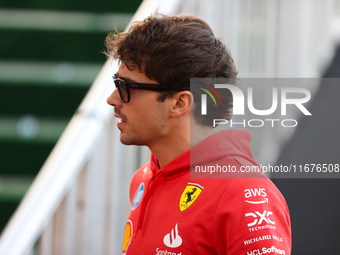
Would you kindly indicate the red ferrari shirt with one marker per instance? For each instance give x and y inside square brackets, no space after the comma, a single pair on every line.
[175,214]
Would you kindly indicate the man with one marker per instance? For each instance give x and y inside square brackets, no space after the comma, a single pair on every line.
[172,213]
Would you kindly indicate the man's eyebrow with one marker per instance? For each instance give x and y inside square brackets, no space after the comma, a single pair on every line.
[124,78]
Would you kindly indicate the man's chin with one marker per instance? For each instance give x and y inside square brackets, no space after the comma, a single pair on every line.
[126,140]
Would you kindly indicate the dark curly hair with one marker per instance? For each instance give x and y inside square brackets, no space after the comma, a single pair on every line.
[171,49]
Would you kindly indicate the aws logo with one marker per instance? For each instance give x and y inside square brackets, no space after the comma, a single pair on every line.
[207,90]
[257,196]
[189,195]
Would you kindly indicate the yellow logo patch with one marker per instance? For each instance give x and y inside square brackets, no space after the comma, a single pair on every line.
[189,195]
[127,235]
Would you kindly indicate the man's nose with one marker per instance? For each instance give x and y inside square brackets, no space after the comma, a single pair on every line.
[114,99]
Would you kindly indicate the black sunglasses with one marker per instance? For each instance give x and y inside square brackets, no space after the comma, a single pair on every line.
[124,88]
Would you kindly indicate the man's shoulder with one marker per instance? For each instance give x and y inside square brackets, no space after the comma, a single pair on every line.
[141,176]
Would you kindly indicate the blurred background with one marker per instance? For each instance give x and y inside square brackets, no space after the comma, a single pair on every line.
[50,56]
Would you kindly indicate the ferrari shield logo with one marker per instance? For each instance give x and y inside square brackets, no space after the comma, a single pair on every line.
[189,195]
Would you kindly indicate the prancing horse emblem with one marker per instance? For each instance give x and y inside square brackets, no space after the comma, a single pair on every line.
[189,195]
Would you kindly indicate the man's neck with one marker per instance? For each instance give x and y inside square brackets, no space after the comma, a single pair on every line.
[169,149]
[172,147]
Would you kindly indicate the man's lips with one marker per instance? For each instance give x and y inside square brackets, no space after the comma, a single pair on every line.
[121,122]
[119,114]
[122,119]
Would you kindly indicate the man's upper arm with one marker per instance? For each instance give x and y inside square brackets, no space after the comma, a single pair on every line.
[252,218]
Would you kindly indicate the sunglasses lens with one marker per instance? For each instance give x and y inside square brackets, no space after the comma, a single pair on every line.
[123,90]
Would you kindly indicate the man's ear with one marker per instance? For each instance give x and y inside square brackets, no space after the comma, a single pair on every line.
[181,103]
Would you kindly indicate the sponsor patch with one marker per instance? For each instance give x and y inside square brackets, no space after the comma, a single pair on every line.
[127,235]
[138,196]
[257,239]
[255,196]
[260,218]
[173,240]
[189,195]
[265,250]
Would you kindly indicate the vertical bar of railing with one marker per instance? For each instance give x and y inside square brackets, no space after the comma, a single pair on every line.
[80,214]
[46,240]
[95,194]
[70,221]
